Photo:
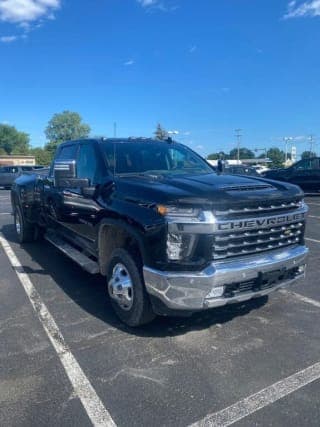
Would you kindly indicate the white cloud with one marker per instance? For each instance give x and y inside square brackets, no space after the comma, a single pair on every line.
[148,3]
[192,48]
[163,5]
[128,63]
[8,39]
[308,8]
[26,11]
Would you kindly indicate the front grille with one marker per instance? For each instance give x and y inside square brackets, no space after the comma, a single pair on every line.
[258,209]
[254,229]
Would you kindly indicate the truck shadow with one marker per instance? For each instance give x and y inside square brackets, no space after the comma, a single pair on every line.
[89,292]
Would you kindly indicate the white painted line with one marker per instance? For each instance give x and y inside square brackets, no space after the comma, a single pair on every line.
[313,216]
[5,213]
[312,240]
[313,204]
[92,404]
[302,298]
[263,398]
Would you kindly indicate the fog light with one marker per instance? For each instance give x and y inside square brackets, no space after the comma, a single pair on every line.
[302,268]
[215,292]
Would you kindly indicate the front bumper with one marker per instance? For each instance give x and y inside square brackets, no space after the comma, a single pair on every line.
[193,291]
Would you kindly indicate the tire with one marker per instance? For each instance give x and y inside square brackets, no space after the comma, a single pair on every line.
[26,232]
[130,302]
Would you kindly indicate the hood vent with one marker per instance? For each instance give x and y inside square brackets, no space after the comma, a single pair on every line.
[249,187]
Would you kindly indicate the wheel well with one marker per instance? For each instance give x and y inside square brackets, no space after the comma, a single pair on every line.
[112,237]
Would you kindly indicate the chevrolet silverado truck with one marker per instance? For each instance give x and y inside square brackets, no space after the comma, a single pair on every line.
[169,234]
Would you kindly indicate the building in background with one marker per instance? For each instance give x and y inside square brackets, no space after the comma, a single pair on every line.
[17,160]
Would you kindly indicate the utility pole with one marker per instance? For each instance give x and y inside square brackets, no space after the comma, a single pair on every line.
[311,139]
[238,136]
[115,129]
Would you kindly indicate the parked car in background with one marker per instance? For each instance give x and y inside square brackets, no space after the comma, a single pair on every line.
[305,173]
[9,173]
[261,169]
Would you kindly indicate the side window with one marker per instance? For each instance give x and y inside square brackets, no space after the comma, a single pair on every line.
[110,154]
[87,165]
[303,165]
[69,152]
[315,163]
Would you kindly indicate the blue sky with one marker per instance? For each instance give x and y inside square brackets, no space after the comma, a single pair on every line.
[199,67]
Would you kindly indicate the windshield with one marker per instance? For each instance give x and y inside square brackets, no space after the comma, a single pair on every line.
[153,158]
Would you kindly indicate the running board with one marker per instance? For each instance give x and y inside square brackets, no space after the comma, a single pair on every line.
[85,262]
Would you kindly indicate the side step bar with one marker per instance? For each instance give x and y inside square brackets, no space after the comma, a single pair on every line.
[85,262]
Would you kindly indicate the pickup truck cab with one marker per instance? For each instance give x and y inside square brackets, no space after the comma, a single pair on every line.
[305,173]
[169,234]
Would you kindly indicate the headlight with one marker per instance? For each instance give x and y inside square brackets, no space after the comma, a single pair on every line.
[177,212]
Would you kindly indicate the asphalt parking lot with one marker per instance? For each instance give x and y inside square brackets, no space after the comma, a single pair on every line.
[254,364]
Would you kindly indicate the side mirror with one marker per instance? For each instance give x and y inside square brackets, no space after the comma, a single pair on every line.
[65,175]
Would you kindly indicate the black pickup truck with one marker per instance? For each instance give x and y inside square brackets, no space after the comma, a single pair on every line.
[305,173]
[170,235]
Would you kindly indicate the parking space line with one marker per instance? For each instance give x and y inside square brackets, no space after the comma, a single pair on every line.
[5,213]
[302,298]
[261,399]
[313,204]
[83,389]
[313,216]
[312,240]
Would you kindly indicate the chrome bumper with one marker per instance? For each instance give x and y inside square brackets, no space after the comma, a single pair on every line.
[191,290]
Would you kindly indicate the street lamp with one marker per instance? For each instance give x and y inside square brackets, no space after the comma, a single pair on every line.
[287,140]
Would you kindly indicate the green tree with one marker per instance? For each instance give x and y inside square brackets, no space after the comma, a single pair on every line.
[65,126]
[244,153]
[277,157]
[308,155]
[12,141]
[43,157]
[161,133]
[216,156]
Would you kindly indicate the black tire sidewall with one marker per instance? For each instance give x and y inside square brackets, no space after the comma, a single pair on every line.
[27,231]
[141,311]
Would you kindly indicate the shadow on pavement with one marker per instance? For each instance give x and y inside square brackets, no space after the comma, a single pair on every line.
[89,292]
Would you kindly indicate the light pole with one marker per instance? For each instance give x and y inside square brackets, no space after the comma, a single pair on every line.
[286,140]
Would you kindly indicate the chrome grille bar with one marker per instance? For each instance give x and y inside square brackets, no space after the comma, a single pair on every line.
[283,206]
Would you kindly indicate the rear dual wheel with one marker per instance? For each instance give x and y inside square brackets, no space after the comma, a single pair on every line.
[26,231]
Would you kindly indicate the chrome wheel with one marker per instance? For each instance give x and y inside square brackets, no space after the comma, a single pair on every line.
[17,223]
[120,287]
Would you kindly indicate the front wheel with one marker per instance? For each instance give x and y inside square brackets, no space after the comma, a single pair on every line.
[126,289]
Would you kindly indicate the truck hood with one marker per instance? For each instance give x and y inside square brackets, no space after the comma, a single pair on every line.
[205,189]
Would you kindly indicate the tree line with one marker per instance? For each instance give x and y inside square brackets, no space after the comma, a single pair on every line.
[68,125]
[61,127]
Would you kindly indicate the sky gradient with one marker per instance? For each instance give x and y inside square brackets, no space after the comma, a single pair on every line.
[202,68]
